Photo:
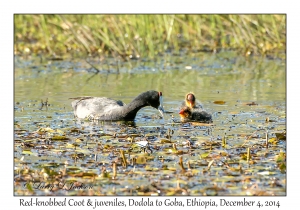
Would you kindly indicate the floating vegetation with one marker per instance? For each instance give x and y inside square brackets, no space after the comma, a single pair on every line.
[220,102]
[117,159]
[252,104]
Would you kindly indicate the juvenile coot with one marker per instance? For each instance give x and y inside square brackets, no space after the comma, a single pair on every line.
[101,108]
[190,101]
[197,115]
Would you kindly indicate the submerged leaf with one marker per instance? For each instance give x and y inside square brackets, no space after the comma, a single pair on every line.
[219,102]
[281,157]
[282,167]
[281,136]
[273,141]
[251,104]
[29,187]
[59,138]
[165,141]
[204,155]
[44,130]
[141,160]
[27,152]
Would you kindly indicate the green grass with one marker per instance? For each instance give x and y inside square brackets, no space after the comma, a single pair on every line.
[148,35]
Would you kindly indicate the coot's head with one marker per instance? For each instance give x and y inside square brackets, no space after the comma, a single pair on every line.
[190,100]
[154,99]
[185,112]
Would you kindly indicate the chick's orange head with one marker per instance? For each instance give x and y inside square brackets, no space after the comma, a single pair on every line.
[190,100]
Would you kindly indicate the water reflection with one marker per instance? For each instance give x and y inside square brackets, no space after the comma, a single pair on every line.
[210,79]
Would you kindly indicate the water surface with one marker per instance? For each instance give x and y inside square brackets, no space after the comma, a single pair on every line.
[236,80]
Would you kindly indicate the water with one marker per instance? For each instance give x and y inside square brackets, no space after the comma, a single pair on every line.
[211,77]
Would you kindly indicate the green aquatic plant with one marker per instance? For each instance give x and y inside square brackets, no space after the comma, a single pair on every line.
[135,36]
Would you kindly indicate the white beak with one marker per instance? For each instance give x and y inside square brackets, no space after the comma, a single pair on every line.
[161,108]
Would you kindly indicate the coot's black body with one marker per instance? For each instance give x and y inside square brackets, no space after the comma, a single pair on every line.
[102,108]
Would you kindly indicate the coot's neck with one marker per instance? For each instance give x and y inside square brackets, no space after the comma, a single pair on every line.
[134,106]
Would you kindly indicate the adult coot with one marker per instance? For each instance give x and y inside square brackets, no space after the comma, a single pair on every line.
[101,108]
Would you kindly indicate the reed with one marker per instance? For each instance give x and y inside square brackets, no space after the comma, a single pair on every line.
[134,36]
